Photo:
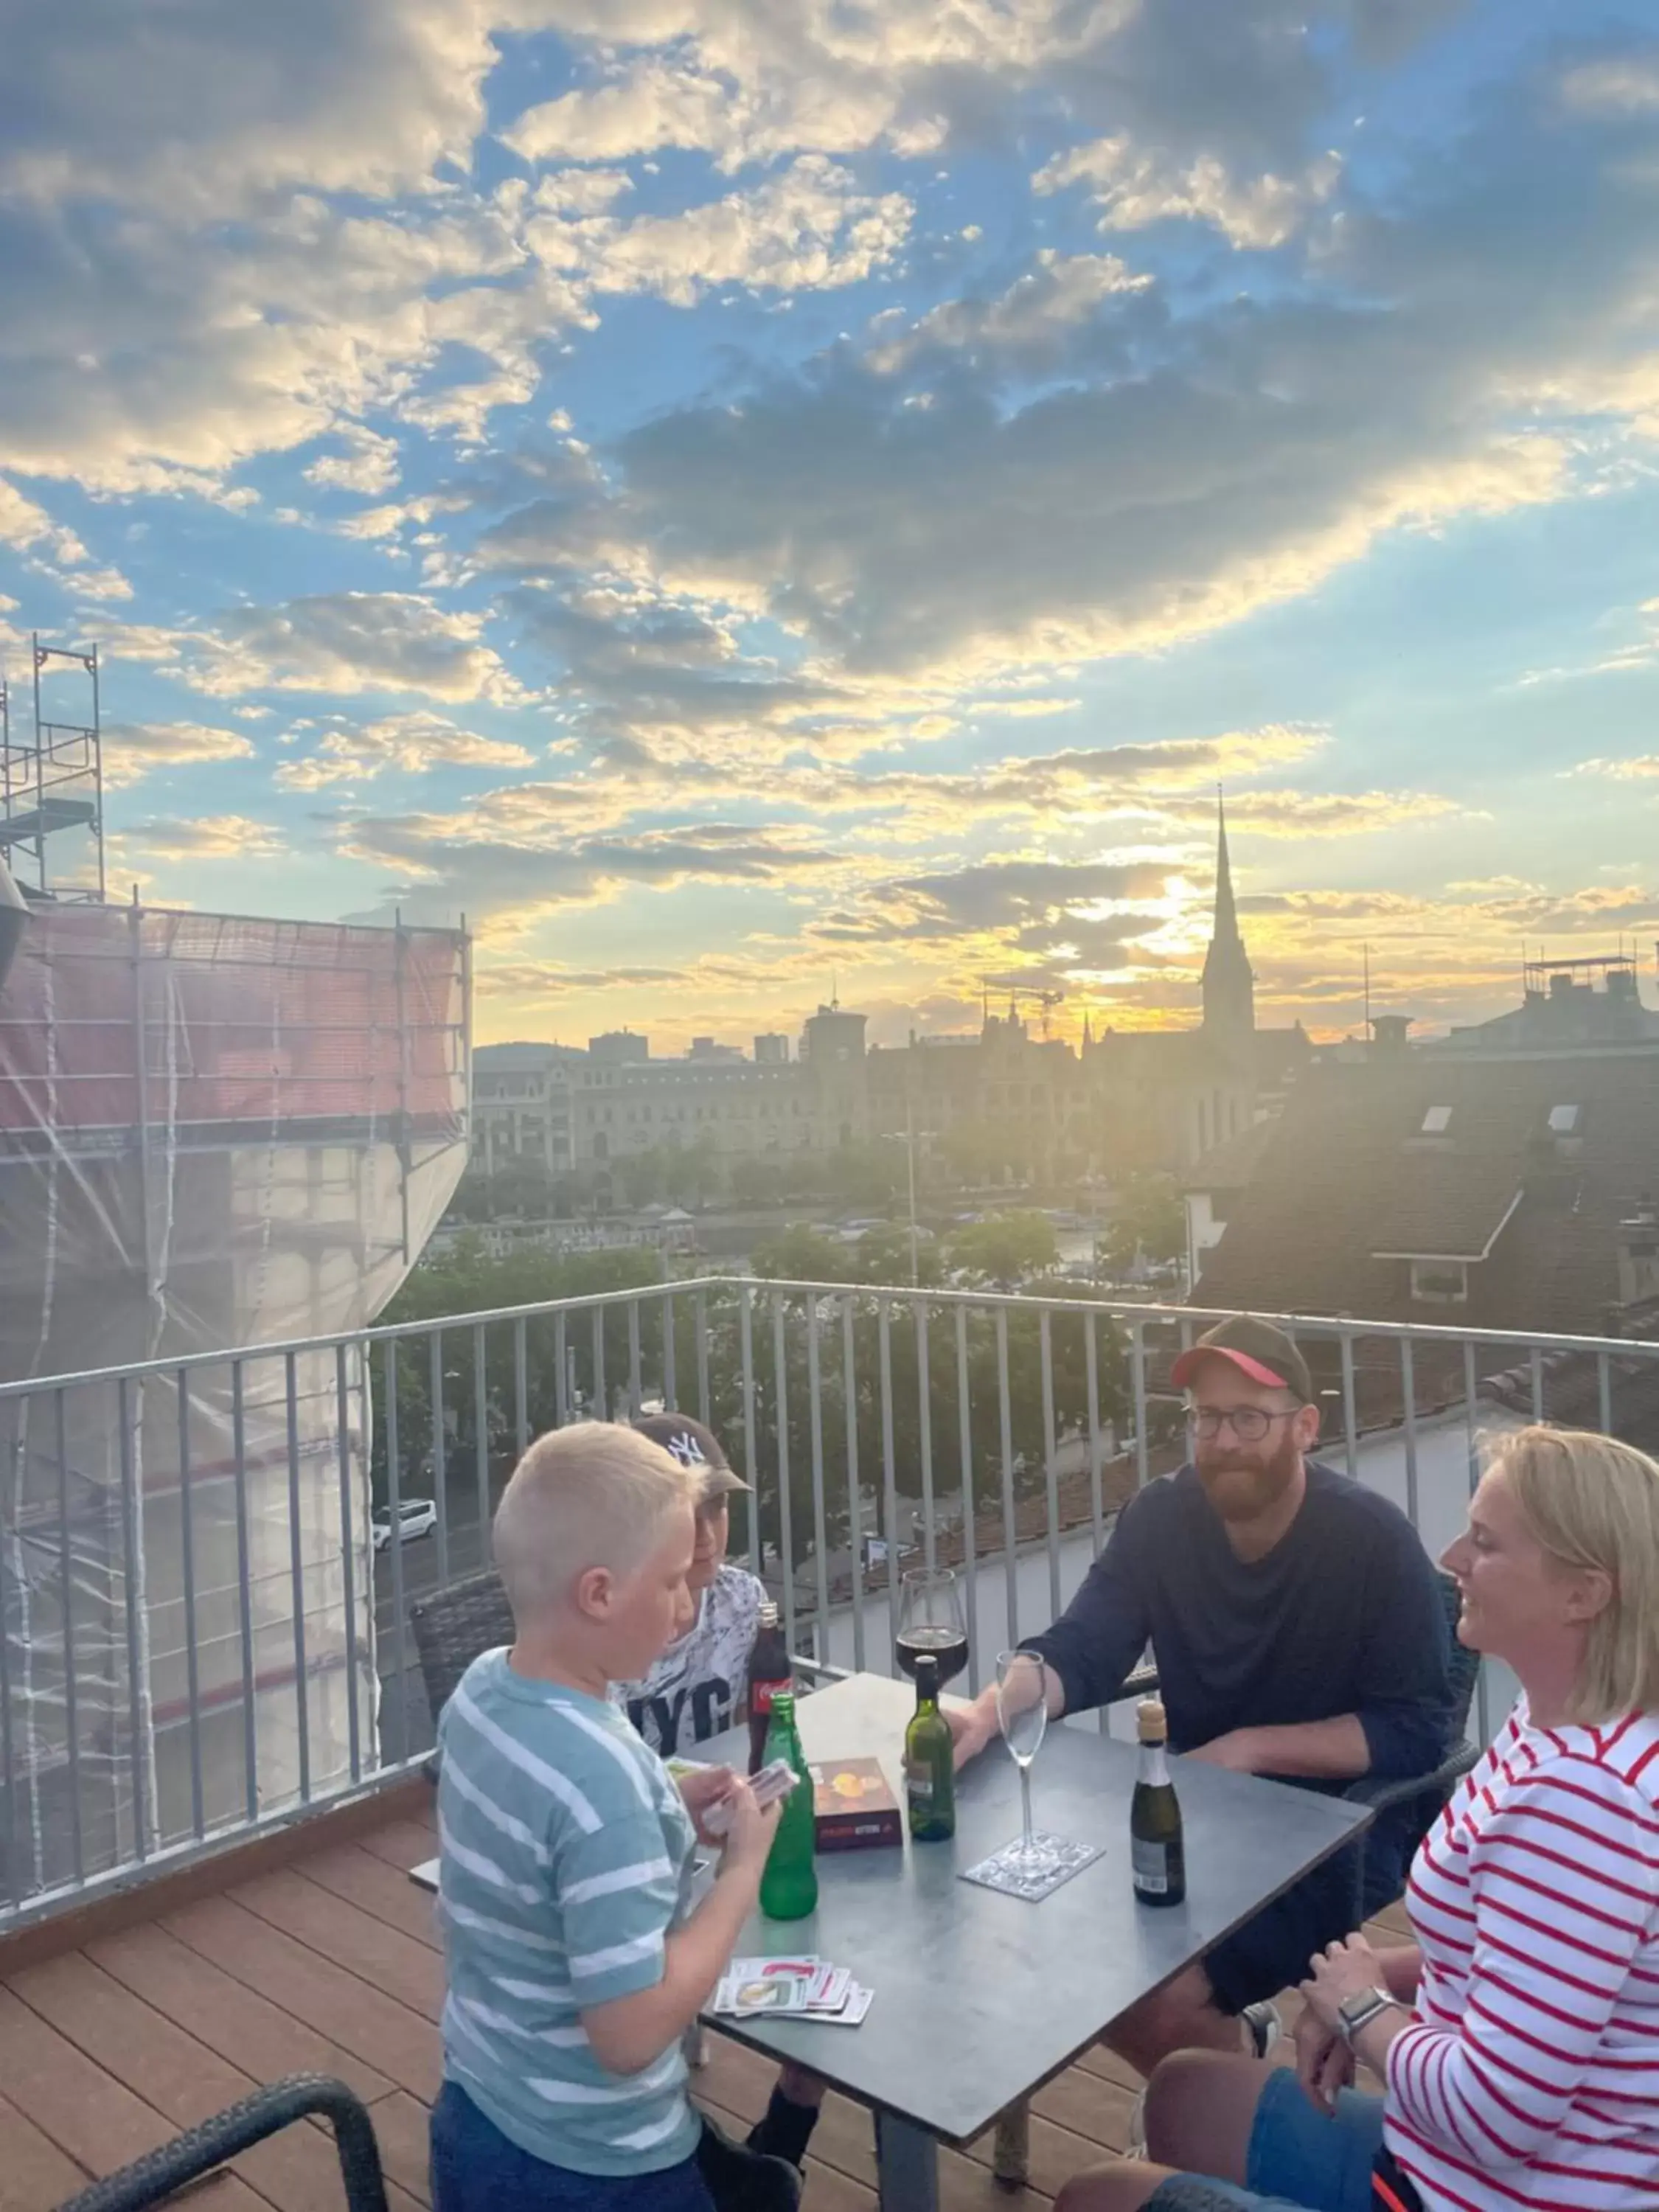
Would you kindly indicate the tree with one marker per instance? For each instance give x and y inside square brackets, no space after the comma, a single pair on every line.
[757,1183]
[642,1177]
[801,1254]
[1005,1250]
[1150,1218]
[883,1256]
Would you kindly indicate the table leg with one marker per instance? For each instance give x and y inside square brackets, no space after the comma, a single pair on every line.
[906,2166]
[1011,2159]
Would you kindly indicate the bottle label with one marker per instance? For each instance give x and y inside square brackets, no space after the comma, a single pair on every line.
[761,1694]
[1150,1864]
[919,1787]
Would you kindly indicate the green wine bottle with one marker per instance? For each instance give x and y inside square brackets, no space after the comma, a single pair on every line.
[1156,1854]
[930,1783]
[789,1887]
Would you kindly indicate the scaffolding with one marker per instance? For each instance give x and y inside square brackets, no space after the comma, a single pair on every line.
[52,780]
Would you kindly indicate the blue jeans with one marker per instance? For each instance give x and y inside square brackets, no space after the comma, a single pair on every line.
[476,2169]
[1302,2160]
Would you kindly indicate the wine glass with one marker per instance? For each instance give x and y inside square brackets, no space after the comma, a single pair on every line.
[930,1619]
[1023,1717]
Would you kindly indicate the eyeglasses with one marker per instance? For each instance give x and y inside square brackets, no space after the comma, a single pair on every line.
[1249,1423]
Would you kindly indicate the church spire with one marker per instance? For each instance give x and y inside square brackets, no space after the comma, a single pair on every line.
[1229,980]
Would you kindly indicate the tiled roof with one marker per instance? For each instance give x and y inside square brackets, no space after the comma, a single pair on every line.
[1230,1165]
[1347,1173]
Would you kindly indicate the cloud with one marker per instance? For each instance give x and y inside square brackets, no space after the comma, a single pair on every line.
[452,864]
[341,642]
[806,228]
[413,742]
[28,528]
[132,750]
[1132,188]
[205,837]
[1636,767]
[1028,327]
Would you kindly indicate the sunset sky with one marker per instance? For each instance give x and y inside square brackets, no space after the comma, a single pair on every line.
[742,498]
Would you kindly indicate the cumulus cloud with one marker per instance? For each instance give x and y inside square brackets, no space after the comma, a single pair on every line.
[205,837]
[132,750]
[413,743]
[1028,327]
[341,642]
[1132,188]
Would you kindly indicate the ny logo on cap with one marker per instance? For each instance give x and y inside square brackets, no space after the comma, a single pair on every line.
[685,1448]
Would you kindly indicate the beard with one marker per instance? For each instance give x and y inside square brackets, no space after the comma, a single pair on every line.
[1240,1487]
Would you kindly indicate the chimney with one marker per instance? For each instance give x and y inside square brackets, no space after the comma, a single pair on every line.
[1639,1252]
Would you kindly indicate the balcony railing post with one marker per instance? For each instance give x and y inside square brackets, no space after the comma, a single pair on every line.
[435,1391]
[480,1437]
[66,1576]
[1050,1453]
[700,1324]
[850,1384]
[670,1395]
[520,1386]
[925,1416]
[132,1594]
[297,1566]
[969,1506]
[751,1453]
[785,1503]
[889,1466]
[1010,1522]
[342,1454]
[635,1392]
[820,1518]
[1483,1718]
[1408,1399]
[187,1573]
[1138,1362]
[1350,1420]
[10,1881]
[395,1543]
[560,1371]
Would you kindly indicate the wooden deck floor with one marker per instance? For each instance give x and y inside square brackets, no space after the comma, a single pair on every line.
[330,1962]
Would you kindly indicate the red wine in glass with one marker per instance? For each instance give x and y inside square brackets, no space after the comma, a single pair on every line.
[930,1619]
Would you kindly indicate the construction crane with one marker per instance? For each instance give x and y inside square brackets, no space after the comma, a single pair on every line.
[1046,999]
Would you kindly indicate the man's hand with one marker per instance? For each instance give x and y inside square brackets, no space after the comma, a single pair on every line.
[971,1726]
[701,1791]
[1236,1751]
[1324,2064]
[1342,1970]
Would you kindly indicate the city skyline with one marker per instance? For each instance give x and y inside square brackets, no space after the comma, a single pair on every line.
[754,500]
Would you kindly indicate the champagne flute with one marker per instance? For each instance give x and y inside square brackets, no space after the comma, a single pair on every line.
[930,1619]
[1023,1717]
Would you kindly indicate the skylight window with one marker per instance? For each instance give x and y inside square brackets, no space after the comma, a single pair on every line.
[1437,1121]
[1563,1121]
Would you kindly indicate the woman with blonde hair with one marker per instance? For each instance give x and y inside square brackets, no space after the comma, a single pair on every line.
[1517,2038]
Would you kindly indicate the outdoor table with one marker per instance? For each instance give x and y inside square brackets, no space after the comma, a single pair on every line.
[980,1998]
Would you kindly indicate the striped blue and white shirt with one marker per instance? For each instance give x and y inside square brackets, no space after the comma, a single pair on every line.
[565,1850]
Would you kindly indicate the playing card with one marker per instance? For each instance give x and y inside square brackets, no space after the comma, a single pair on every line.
[772,1993]
[858,2003]
[830,1989]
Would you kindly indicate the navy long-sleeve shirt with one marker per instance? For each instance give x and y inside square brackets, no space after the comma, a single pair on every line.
[1344,1615]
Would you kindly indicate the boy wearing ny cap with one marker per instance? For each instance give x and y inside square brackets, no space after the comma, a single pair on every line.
[1298,1633]
[696,1689]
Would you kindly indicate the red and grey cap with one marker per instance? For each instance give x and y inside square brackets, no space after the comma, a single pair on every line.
[1257,1349]
[694,1445]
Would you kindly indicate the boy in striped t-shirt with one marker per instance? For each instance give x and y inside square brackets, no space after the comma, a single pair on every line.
[574,1968]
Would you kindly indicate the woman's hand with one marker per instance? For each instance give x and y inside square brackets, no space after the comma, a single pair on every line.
[1341,1970]
[1324,2064]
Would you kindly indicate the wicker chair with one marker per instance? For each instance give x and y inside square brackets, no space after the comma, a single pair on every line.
[189,2157]
[453,1626]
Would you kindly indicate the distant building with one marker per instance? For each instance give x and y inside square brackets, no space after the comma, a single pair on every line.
[1502,1190]
[618,1048]
[1567,1006]
[772,1049]
[521,1098]
[1162,1098]
[1212,1186]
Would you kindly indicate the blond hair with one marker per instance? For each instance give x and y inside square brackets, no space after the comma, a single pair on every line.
[597,1495]
[1592,1503]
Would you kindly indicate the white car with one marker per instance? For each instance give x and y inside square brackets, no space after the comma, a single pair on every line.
[416,1517]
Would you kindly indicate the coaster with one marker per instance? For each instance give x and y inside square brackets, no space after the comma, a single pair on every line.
[1000,1872]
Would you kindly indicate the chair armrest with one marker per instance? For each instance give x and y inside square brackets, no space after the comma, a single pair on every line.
[1143,1683]
[1382,1796]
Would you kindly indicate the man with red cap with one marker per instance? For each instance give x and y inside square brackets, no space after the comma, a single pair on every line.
[1299,1632]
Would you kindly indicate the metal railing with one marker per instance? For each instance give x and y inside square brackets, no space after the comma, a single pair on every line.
[199,1639]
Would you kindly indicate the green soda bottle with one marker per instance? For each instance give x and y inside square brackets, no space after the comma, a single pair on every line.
[789,1887]
[929,1761]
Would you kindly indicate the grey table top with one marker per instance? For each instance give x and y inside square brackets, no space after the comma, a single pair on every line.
[980,1998]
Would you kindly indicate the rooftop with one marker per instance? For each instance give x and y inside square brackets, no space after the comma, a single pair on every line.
[123,2024]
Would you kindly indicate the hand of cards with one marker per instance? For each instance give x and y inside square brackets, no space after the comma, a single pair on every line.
[806,1989]
[772,1782]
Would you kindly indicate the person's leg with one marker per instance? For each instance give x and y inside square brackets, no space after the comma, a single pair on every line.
[1122,2186]
[1201,2112]
[785,2128]
[1183,2015]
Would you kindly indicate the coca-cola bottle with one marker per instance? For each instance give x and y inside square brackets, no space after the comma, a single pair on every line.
[769,1672]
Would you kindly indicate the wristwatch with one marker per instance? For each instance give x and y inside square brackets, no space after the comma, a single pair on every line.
[1356,2013]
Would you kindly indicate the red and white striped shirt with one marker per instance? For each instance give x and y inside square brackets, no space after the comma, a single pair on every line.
[1530,2076]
